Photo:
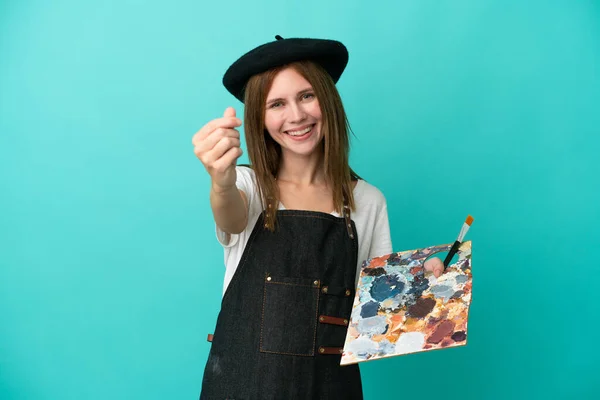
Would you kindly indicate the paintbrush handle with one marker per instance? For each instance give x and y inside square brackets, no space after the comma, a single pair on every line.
[451,253]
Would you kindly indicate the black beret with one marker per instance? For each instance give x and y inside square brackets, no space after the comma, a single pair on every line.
[330,54]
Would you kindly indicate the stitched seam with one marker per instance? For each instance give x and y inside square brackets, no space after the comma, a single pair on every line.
[290,284]
[289,354]
[316,321]
[262,320]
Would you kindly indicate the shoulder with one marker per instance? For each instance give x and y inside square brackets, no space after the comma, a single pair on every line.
[370,202]
[368,194]
[372,223]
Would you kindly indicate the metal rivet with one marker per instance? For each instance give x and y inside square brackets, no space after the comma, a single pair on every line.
[347,292]
[341,351]
[321,350]
[316,283]
[345,322]
[321,319]
[269,278]
[325,289]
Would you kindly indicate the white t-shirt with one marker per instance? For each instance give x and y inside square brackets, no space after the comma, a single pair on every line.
[370,217]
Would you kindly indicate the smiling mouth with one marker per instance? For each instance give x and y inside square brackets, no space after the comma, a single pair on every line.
[300,132]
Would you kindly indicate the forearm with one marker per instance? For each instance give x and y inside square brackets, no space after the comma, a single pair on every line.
[229,209]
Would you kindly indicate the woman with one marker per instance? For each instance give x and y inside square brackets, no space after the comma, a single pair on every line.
[295,227]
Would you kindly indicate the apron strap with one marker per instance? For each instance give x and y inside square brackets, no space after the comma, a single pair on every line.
[331,350]
[346,212]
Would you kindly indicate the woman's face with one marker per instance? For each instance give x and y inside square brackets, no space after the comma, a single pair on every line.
[293,115]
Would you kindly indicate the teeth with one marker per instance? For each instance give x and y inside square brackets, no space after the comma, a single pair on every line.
[299,133]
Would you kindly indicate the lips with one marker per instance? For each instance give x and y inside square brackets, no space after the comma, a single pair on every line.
[300,131]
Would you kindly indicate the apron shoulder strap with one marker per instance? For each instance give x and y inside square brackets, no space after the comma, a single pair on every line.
[346,212]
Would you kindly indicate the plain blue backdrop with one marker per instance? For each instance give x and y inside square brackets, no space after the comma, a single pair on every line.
[110,272]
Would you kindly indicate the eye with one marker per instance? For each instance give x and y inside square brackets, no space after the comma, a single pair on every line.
[308,95]
[275,104]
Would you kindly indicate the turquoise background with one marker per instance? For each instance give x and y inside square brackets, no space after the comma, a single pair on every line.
[110,273]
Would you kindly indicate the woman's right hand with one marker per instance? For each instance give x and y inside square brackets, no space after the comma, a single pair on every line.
[217,146]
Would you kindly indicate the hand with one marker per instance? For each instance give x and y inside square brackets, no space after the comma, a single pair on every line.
[217,146]
[434,265]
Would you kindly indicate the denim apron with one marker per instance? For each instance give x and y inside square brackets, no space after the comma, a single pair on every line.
[285,313]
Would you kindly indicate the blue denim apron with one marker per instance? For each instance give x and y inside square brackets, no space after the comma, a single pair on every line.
[285,313]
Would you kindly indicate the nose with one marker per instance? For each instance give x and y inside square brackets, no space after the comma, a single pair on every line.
[296,113]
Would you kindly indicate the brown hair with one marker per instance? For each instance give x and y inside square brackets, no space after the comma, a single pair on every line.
[265,154]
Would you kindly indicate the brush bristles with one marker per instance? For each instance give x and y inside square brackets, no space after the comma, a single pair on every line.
[465,228]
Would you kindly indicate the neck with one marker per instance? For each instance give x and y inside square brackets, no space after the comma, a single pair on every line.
[302,170]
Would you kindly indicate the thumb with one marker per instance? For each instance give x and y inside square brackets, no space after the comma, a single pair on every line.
[229,112]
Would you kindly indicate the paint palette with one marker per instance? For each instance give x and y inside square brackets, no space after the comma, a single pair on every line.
[399,308]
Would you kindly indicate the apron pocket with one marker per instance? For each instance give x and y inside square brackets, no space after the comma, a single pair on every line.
[289,316]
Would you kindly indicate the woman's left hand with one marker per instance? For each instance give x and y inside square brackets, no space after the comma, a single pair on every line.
[434,265]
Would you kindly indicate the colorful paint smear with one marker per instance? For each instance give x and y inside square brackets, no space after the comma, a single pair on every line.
[400,308]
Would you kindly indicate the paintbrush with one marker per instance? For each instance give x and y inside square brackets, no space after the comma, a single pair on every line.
[461,236]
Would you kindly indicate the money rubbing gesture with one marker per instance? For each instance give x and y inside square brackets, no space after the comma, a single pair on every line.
[217,146]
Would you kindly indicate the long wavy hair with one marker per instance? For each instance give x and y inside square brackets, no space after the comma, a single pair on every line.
[265,154]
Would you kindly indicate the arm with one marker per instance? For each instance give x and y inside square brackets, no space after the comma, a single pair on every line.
[217,146]
[230,208]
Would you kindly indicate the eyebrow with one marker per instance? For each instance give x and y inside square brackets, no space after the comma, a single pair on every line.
[298,94]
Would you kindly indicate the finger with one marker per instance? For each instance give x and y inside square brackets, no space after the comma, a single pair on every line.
[206,145]
[217,135]
[205,149]
[221,148]
[213,138]
[228,159]
[428,266]
[434,265]
[438,268]
[224,122]
[229,112]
